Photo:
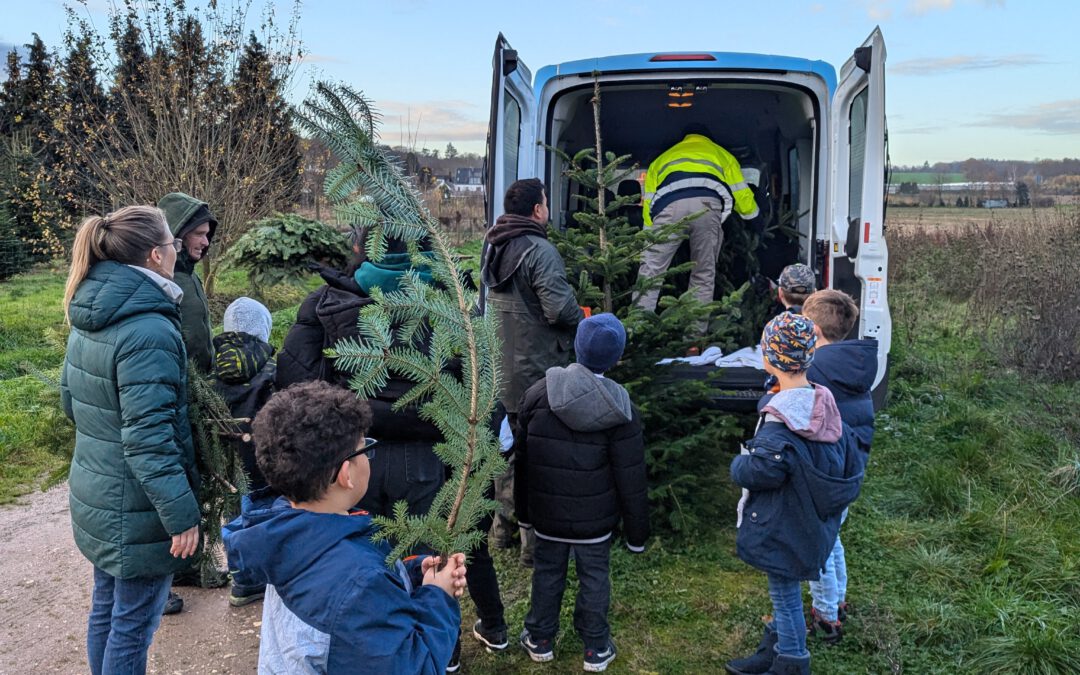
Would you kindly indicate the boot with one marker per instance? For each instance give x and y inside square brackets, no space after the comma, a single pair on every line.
[785,664]
[758,662]
[528,545]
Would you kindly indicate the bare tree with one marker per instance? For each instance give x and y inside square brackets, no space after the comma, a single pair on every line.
[198,112]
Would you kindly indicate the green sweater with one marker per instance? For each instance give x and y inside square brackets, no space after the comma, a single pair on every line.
[133,480]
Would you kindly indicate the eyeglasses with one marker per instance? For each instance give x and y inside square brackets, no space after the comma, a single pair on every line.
[177,245]
[368,448]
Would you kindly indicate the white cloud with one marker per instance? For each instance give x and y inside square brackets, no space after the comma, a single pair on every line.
[924,6]
[817,8]
[432,121]
[1055,117]
[878,10]
[937,65]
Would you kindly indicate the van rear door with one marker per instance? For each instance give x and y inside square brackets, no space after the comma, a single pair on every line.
[511,126]
[856,207]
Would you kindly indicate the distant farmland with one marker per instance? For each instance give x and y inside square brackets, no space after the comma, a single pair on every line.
[924,177]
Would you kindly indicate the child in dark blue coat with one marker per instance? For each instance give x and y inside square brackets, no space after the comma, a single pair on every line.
[332,605]
[802,470]
[847,368]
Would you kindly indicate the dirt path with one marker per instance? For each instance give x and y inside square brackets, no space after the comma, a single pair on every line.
[45,588]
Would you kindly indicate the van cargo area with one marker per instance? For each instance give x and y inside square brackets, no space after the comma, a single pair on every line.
[770,130]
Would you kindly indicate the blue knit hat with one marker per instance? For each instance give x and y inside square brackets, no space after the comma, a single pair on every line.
[600,342]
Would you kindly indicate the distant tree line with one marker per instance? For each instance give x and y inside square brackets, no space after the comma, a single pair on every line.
[164,99]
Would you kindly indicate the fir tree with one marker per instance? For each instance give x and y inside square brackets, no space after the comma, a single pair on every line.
[685,439]
[370,190]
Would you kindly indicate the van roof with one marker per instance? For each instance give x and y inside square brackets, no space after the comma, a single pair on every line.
[719,61]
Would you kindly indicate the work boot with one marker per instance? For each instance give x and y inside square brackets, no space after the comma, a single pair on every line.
[758,662]
[785,664]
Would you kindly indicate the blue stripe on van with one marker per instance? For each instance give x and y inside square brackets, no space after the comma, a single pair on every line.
[724,61]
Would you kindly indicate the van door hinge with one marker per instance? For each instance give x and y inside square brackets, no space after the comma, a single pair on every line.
[863,57]
[510,61]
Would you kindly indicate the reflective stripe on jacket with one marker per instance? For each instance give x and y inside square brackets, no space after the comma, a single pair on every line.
[696,164]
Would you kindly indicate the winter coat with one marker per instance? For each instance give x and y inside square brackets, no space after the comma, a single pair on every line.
[803,470]
[244,370]
[538,313]
[847,369]
[326,316]
[580,459]
[133,481]
[332,605]
[182,213]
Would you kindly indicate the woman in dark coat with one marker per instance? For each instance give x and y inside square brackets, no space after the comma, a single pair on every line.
[133,480]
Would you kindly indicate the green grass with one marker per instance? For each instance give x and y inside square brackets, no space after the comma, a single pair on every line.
[962,550]
[924,177]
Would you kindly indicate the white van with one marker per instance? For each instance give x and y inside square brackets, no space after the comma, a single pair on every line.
[817,142]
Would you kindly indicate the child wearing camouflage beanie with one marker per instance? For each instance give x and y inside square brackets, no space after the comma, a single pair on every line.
[802,470]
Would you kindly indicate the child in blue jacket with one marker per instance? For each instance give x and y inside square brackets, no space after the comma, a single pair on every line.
[802,470]
[332,605]
[847,368]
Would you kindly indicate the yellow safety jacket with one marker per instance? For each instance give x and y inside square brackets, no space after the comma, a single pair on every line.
[695,166]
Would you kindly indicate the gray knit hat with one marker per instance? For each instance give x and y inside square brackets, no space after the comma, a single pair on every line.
[249,316]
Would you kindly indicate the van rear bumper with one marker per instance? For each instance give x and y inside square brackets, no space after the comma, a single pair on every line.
[736,389]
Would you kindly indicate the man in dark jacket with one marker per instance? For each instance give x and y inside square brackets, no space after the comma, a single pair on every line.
[581,467]
[191,221]
[528,290]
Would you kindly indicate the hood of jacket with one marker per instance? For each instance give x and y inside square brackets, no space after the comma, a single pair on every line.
[112,292]
[810,412]
[183,212]
[585,402]
[848,366]
[508,242]
[239,357]
[266,544]
[386,274]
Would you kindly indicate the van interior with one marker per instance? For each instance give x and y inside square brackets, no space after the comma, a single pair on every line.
[770,128]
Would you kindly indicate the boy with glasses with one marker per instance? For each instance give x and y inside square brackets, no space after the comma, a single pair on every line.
[331,603]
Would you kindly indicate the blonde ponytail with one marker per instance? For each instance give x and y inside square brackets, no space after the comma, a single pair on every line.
[84,253]
[126,236]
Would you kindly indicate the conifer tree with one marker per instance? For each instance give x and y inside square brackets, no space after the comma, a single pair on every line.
[685,439]
[369,189]
[80,116]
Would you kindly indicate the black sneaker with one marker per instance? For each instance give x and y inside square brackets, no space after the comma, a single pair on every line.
[831,631]
[455,660]
[174,605]
[494,641]
[596,661]
[238,597]
[539,650]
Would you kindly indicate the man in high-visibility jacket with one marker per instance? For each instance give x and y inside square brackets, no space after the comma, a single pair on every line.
[693,176]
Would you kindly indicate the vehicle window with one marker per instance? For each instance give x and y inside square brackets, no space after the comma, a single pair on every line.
[511,138]
[857,154]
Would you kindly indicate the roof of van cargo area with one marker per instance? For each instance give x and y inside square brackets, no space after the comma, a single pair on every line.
[723,61]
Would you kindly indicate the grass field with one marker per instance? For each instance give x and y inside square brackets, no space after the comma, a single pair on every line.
[963,549]
[952,217]
[924,177]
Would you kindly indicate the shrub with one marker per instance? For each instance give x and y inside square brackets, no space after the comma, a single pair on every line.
[280,249]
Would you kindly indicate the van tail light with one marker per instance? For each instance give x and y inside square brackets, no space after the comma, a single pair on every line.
[682,57]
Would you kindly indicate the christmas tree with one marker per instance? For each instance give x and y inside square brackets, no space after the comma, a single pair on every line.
[418,331]
[685,439]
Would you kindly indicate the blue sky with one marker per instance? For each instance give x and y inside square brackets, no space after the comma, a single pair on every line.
[982,78]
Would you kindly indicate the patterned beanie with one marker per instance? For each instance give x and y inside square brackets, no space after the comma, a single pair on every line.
[788,342]
[249,316]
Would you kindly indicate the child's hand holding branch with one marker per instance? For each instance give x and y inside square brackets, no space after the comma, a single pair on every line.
[451,578]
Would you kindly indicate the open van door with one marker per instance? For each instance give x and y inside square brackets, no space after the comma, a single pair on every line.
[857,195]
[511,126]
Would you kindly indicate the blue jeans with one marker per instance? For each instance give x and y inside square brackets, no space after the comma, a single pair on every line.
[594,590]
[829,591]
[124,613]
[786,596]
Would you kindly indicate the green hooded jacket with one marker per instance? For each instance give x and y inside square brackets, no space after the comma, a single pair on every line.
[133,481]
[184,212]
